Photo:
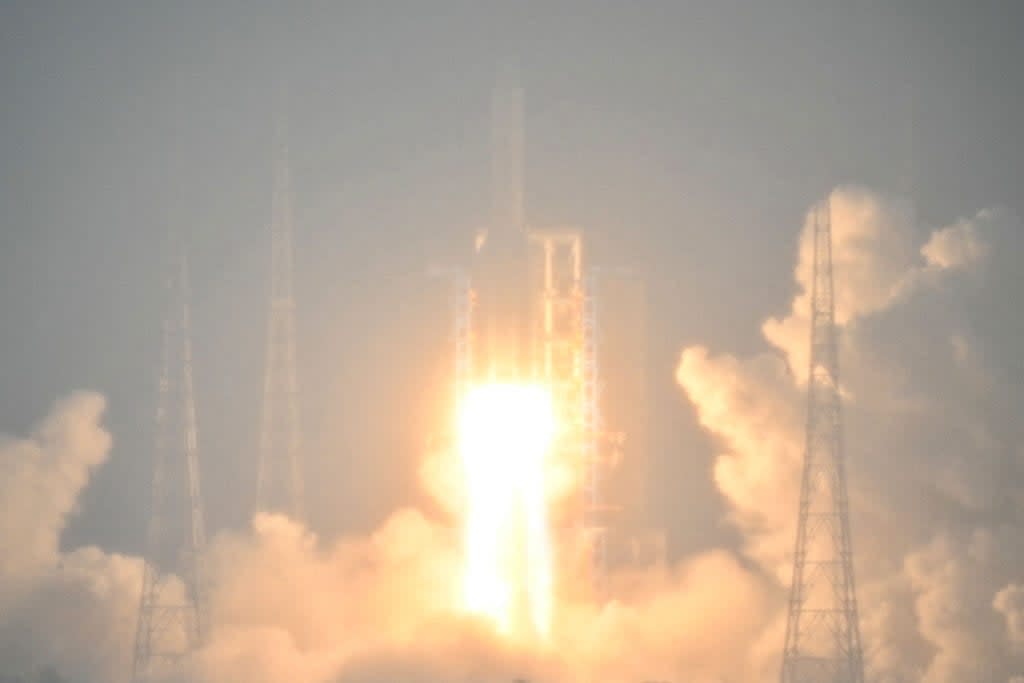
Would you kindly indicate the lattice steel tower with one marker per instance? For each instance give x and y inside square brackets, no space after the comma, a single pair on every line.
[171,619]
[279,484]
[822,632]
[566,359]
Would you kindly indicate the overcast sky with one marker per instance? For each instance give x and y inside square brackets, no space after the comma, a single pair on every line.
[687,139]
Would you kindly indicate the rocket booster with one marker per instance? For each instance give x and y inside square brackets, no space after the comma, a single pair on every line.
[501,316]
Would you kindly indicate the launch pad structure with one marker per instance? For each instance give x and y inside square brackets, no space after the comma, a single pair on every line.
[566,335]
[564,347]
[528,308]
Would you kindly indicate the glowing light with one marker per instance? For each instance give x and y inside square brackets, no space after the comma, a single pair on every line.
[505,433]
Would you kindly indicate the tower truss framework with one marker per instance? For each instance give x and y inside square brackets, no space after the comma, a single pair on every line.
[593,521]
[822,630]
[566,359]
[279,485]
[171,616]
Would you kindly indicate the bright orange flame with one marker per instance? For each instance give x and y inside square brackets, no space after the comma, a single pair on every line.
[505,433]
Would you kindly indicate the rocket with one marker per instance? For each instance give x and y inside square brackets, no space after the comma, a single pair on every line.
[500,268]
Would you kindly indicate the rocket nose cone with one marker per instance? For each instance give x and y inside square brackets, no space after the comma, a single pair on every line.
[507,143]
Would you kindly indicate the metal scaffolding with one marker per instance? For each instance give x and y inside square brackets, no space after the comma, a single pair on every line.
[593,522]
[822,631]
[171,623]
[566,360]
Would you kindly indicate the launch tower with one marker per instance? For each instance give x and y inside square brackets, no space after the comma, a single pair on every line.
[525,310]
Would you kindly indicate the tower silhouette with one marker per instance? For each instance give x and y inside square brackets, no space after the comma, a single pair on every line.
[279,484]
[171,607]
[822,630]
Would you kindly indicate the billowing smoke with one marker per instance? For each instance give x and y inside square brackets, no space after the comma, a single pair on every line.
[285,605]
[932,386]
[69,613]
[1010,603]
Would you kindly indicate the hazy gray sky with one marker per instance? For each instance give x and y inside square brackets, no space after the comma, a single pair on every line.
[686,138]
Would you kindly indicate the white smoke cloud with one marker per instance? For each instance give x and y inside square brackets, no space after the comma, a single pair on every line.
[72,613]
[285,605]
[40,479]
[952,578]
[957,246]
[759,473]
[385,607]
[1009,602]
[688,623]
[322,606]
[872,247]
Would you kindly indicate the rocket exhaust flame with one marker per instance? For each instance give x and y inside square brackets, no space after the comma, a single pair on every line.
[505,425]
[505,432]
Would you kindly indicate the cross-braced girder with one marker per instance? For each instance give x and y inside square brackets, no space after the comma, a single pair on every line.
[822,630]
[171,617]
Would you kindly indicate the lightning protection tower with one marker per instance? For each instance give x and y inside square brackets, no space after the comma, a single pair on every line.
[822,631]
[279,484]
[171,610]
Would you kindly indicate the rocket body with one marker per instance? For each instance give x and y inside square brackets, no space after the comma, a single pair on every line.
[500,270]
